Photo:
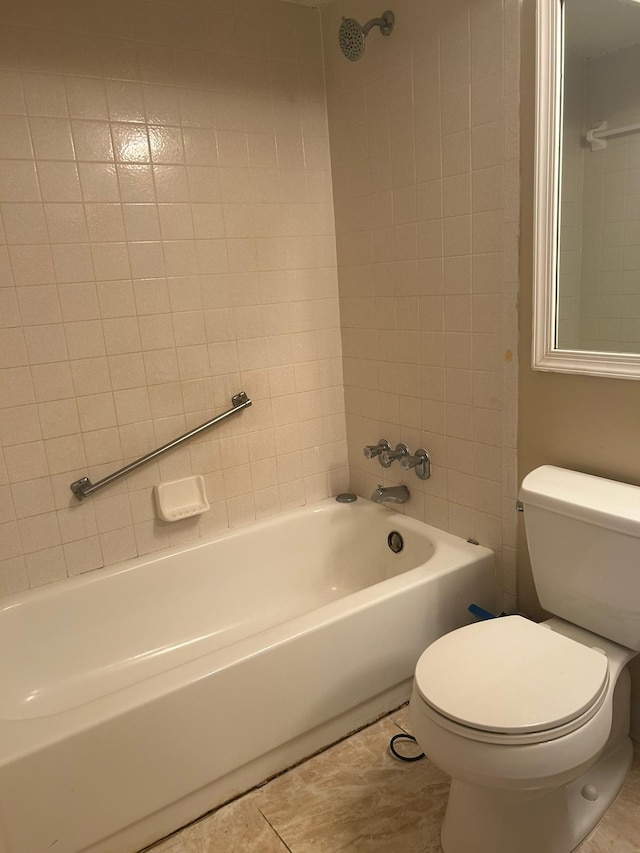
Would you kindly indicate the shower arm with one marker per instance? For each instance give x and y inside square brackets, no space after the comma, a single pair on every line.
[374,22]
[385,23]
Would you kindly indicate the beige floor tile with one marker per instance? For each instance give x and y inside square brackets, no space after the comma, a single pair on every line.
[356,797]
[236,828]
[239,828]
[607,838]
[401,718]
[185,841]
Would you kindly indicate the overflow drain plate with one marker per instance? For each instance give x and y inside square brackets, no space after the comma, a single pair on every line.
[395,541]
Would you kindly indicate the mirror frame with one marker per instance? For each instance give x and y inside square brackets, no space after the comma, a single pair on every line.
[548,146]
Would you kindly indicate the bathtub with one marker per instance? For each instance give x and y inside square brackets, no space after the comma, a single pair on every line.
[138,697]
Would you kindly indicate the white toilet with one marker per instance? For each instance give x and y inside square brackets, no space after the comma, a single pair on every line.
[530,720]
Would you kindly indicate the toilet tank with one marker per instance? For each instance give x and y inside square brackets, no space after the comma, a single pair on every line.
[583,534]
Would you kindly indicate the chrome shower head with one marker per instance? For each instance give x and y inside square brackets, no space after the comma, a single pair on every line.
[351,39]
[352,36]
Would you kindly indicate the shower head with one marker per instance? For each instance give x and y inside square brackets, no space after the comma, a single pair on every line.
[351,39]
[352,36]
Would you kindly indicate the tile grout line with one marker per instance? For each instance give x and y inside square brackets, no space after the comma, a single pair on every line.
[275,830]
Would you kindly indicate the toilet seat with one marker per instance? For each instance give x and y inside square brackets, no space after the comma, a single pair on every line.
[511,681]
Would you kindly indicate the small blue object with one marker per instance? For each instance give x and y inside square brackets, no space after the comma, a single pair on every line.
[480,612]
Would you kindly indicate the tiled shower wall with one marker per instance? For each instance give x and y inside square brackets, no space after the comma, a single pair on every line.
[572,190]
[425,144]
[600,235]
[166,239]
[610,305]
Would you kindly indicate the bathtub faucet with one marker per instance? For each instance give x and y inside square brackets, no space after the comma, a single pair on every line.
[390,494]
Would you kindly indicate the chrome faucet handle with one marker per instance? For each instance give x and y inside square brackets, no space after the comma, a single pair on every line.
[420,462]
[389,456]
[373,450]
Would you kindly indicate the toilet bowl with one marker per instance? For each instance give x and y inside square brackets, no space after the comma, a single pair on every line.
[531,721]
[521,744]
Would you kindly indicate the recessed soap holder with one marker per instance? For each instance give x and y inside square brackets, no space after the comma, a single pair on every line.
[178,499]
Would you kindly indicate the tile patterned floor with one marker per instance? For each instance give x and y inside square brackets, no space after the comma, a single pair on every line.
[355,797]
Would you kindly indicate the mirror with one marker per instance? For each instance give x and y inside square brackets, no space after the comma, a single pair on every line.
[587,217]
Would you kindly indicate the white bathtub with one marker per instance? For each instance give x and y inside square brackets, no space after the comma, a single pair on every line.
[136,698]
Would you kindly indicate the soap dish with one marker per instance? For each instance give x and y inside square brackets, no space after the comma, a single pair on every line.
[178,499]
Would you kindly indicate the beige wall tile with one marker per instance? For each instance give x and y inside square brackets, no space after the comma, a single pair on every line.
[188,226]
[454,157]
[131,297]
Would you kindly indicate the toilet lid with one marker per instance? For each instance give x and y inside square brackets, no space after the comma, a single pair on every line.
[510,675]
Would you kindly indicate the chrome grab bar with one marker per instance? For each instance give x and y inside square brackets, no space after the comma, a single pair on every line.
[83,488]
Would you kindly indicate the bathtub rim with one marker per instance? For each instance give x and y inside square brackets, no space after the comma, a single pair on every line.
[92,576]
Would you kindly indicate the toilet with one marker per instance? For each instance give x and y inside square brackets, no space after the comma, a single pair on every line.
[531,721]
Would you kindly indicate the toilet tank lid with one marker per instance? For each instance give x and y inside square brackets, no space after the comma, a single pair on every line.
[595,500]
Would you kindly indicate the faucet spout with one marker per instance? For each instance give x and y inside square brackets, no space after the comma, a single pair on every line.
[390,494]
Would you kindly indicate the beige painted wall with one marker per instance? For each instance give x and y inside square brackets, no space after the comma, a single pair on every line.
[586,423]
